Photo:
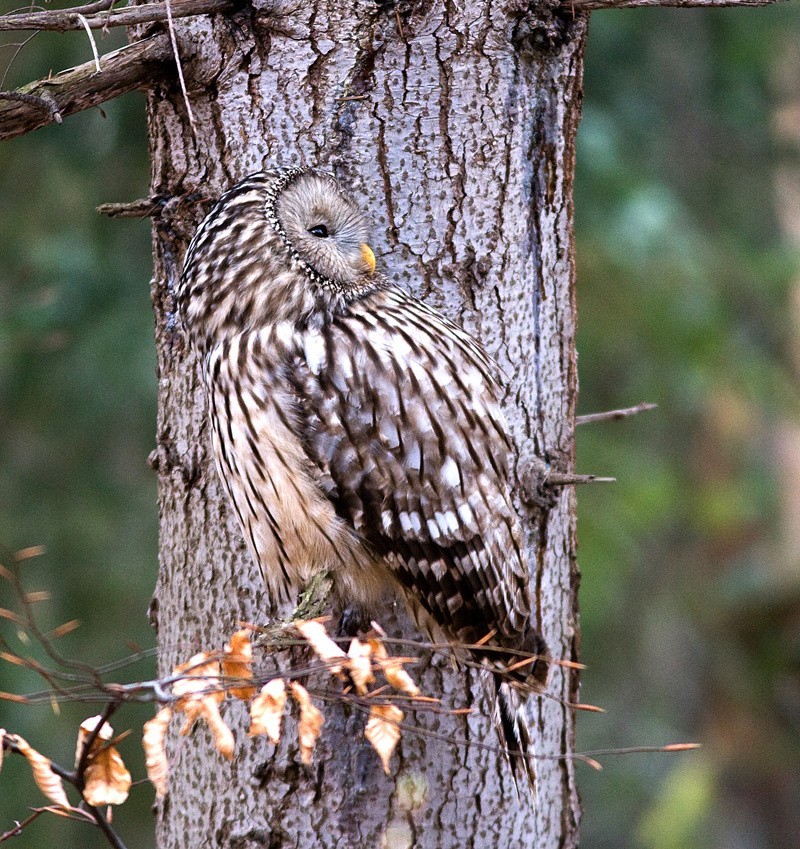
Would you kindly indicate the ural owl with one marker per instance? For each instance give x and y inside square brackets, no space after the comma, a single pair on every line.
[357,430]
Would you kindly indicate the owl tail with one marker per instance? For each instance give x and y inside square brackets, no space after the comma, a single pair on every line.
[515,736]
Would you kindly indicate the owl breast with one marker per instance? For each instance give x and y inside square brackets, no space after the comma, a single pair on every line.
[290,526]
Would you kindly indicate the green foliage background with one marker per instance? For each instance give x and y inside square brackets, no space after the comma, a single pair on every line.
[688,289]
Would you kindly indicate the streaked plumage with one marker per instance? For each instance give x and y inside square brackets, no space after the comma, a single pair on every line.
[356,430]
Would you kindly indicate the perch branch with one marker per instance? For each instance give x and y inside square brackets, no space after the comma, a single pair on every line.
[143,208]
[567,479]
[615,415]
[94,16]
[44,101]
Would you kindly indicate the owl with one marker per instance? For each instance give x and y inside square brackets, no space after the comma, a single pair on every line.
[357,430]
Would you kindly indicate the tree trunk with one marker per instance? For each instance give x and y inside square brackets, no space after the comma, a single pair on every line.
[453,125]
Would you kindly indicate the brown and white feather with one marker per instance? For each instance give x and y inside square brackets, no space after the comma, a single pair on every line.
[356,430]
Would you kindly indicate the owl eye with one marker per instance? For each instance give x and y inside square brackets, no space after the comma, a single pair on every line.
[319,230]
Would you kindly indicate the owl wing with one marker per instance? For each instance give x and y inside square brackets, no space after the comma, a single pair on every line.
[402,419]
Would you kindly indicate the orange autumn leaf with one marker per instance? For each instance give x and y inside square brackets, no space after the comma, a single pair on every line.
[360,665]
[392,668]
[383,731]
[201,694]
[46,780]
[199,677]
[208,709]
[155,754]
[106,780]
[237,662]
[35,597]
[311,721]
[314,633]
[266,712]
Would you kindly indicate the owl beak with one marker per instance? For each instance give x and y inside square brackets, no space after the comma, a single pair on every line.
[369,257]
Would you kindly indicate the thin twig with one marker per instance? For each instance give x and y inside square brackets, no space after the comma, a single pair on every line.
[18,826]
[86,26]
[133,209]
[179,66]
[362,707]
[615,415]
[567,479]
[105,826]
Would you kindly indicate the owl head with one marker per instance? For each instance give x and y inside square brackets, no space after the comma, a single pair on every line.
[281,245]
[321,227]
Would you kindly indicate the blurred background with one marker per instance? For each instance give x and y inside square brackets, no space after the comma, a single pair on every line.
[688,233]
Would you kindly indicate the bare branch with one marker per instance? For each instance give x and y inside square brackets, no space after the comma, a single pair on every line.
[46,104]
[44,101]
[615,415]
[64,20]
[589,5]
[143,208]
[85,25]
[179,66]
[568,479]
[19,826]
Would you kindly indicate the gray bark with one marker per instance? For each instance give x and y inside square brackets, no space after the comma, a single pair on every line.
[453,124]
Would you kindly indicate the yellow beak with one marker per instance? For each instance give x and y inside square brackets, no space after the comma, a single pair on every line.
[369,257]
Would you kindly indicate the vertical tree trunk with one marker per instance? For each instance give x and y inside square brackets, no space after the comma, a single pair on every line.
[453,125]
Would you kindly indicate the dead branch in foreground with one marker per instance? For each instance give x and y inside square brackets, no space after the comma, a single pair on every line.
[101,16]
[367,677]
[48,100]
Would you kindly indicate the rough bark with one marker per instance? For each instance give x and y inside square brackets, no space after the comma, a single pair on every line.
[453,124]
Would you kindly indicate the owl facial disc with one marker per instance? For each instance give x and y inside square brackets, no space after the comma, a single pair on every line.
[323,230]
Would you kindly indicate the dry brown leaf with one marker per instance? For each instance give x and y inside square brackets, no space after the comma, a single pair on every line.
[37,596]
[383,731]
[360,665]
[106,780]
[237,663]
[208,709]
[199,675]
[63,630]
[392,668]
[155,754]
[314,633]
[311,720]
[87,727]
[11,616]
[201,694]
[46,780]
[266,711]
[30,551]
[13,697]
